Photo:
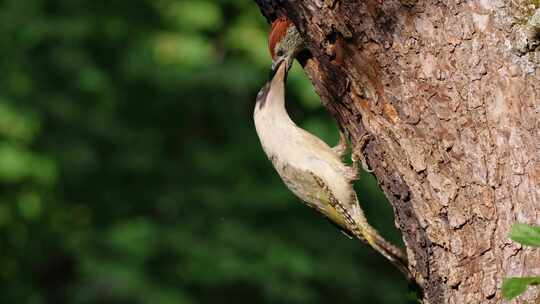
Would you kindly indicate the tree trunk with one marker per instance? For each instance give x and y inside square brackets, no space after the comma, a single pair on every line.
[449,92]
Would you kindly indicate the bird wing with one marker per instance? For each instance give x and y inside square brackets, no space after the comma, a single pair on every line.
[327,155]
[314,192]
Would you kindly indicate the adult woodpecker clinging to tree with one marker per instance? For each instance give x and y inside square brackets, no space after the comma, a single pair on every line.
[308,166]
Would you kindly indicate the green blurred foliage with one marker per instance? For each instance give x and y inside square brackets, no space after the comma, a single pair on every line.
[130,171]
[527,235]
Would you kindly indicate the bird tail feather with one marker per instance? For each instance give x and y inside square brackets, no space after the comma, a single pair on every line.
[367,233]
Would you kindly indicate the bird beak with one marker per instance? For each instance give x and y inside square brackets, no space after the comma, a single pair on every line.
[277,64]
[275,67]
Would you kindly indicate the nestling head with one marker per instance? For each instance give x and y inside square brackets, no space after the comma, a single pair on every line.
[284,42]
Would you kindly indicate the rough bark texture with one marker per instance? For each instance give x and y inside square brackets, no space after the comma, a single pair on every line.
[450,93]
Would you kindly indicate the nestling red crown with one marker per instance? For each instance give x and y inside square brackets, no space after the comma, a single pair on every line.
[279,30]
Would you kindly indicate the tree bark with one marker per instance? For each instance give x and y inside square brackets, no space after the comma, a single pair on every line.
[449,94]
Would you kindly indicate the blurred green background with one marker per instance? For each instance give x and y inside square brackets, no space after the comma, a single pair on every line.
[130,170]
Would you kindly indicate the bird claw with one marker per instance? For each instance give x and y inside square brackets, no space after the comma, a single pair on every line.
[341,148]
[359,156]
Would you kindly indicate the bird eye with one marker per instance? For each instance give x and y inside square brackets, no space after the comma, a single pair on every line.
[280,53]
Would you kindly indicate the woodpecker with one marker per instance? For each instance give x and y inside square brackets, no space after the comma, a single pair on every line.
[311,169]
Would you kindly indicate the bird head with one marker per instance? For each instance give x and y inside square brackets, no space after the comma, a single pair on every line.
[284,42]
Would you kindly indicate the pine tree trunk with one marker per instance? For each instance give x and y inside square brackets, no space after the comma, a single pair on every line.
[449,94]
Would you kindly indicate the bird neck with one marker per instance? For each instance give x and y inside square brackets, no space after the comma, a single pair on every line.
[274,104]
